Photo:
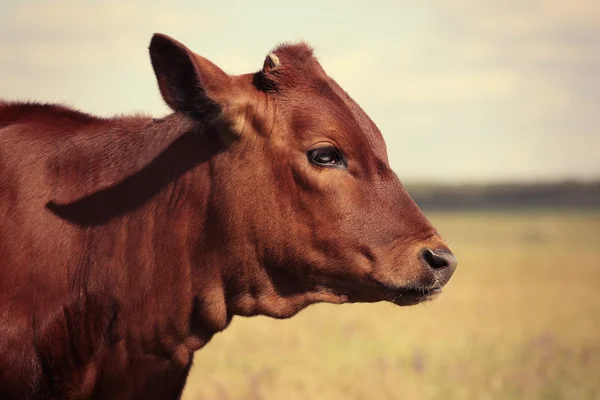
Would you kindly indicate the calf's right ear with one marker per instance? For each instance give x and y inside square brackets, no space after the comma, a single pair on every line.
[188,83]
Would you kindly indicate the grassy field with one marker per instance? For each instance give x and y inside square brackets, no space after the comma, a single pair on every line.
[519,320]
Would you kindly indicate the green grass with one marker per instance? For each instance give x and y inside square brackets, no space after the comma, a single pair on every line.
[520,319]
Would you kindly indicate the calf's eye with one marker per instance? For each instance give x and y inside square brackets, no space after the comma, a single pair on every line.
[327,156]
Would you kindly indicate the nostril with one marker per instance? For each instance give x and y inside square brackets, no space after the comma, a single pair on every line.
[434,260]
[438,260]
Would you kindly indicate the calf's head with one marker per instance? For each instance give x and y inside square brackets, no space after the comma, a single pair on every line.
[303,205]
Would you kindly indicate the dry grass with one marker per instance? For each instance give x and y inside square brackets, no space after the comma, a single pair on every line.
[520,319]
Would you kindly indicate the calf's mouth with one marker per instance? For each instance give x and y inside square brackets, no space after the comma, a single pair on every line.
[375,291]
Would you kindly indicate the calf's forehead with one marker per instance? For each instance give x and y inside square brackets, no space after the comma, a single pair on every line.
[322,109]
[315,107]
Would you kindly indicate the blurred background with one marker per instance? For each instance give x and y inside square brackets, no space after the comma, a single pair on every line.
[491,114]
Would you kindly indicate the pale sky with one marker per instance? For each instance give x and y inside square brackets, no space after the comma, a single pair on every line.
[462,90]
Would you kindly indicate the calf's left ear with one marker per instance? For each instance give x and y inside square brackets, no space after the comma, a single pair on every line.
[188,83]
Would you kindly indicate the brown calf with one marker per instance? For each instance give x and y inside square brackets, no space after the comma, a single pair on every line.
[127,243]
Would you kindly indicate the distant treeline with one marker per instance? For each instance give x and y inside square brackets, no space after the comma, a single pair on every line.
[568,195]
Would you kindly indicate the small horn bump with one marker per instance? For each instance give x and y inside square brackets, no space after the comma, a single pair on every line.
[272,61]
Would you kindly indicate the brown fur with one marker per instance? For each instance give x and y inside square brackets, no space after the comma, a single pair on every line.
[127,243]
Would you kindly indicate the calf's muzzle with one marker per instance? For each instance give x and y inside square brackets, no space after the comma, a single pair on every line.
[441,262]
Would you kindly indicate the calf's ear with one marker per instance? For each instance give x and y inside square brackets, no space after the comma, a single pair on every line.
[188,83]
